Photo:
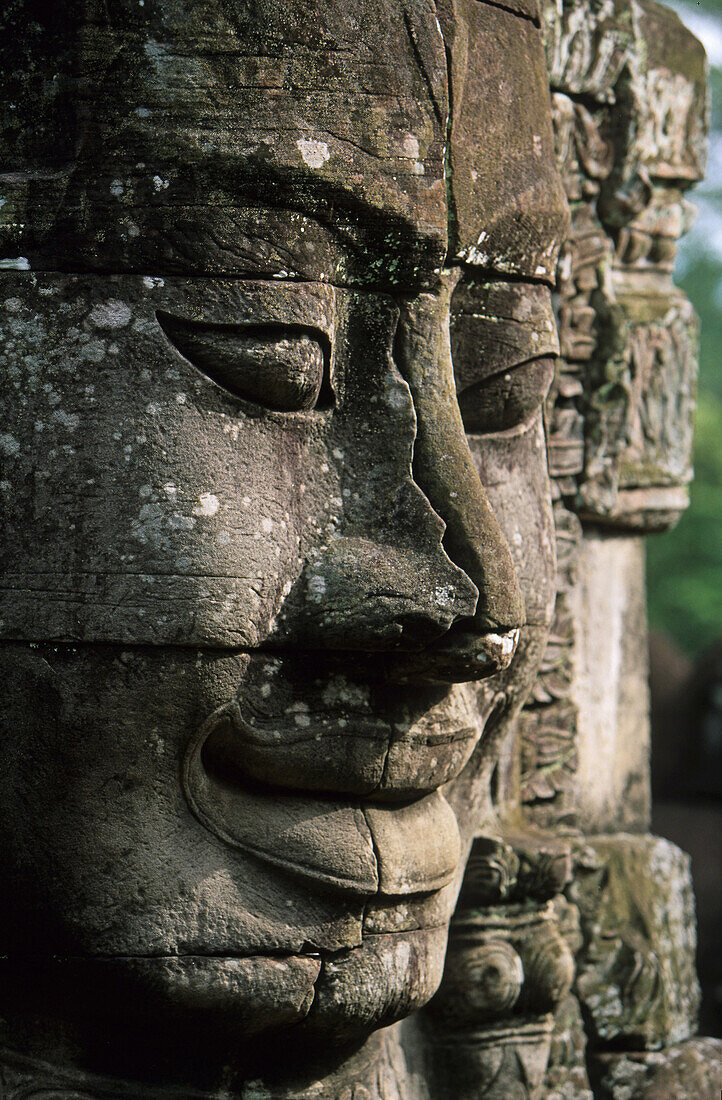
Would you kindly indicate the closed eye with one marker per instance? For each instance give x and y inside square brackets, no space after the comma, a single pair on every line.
[280,367]
[507,398]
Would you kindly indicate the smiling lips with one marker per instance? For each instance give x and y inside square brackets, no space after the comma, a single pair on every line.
[406,844]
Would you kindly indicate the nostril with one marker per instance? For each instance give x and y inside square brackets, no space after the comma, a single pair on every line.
[417,629]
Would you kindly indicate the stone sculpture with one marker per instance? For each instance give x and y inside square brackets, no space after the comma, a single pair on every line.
[628,105]
[279,544]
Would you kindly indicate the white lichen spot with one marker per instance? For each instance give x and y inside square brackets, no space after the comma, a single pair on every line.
[181,523]
[223,538]
[117,188]
[411,146]
[338,453]
[314,153]
[67,420]
[170,490]
[444,595]
[145,491]
[266,525]
[160,184]
[396,398]
[14,263]
[9,445]
[208,505]
[180,398]
[94,350]
[110,314]
[13,305]
[316,587]
[150,282]
[142,112]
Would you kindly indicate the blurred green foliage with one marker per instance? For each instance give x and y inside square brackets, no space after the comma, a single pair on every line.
[685,565]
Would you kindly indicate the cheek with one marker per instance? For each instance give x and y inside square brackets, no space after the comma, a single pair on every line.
[513,470]
[99,851]
[148,504]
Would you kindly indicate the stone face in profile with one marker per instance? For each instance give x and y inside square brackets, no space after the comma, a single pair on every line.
[261,592]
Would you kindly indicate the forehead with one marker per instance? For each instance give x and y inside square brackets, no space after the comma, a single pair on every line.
[309,139]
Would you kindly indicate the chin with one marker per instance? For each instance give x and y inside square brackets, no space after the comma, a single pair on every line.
[346,995]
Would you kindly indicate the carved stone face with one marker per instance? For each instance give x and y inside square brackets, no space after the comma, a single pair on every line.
[253,572]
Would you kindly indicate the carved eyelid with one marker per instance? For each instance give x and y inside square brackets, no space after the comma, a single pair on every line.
[281,367]
[497,328]
[513,368]
[501,401]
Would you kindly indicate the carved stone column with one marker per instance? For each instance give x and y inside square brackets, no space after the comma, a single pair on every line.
[509,965]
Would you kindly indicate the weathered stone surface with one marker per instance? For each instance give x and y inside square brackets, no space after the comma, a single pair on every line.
[621,404]
[124,416]
[610,689]
[548,724]
[508,965]
[508,212]
[636,973]
[587,45]
[499,1063]
[171,154]
[692,1068]
[566,1076]
[628,336]
[585,730]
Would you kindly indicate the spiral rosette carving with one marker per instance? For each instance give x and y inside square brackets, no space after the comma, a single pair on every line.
[482,982]
[549,970]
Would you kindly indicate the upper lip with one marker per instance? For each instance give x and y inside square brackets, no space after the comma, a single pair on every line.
[371,752]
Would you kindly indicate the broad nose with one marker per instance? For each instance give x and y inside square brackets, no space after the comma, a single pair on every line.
[365,595]
[445,471]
